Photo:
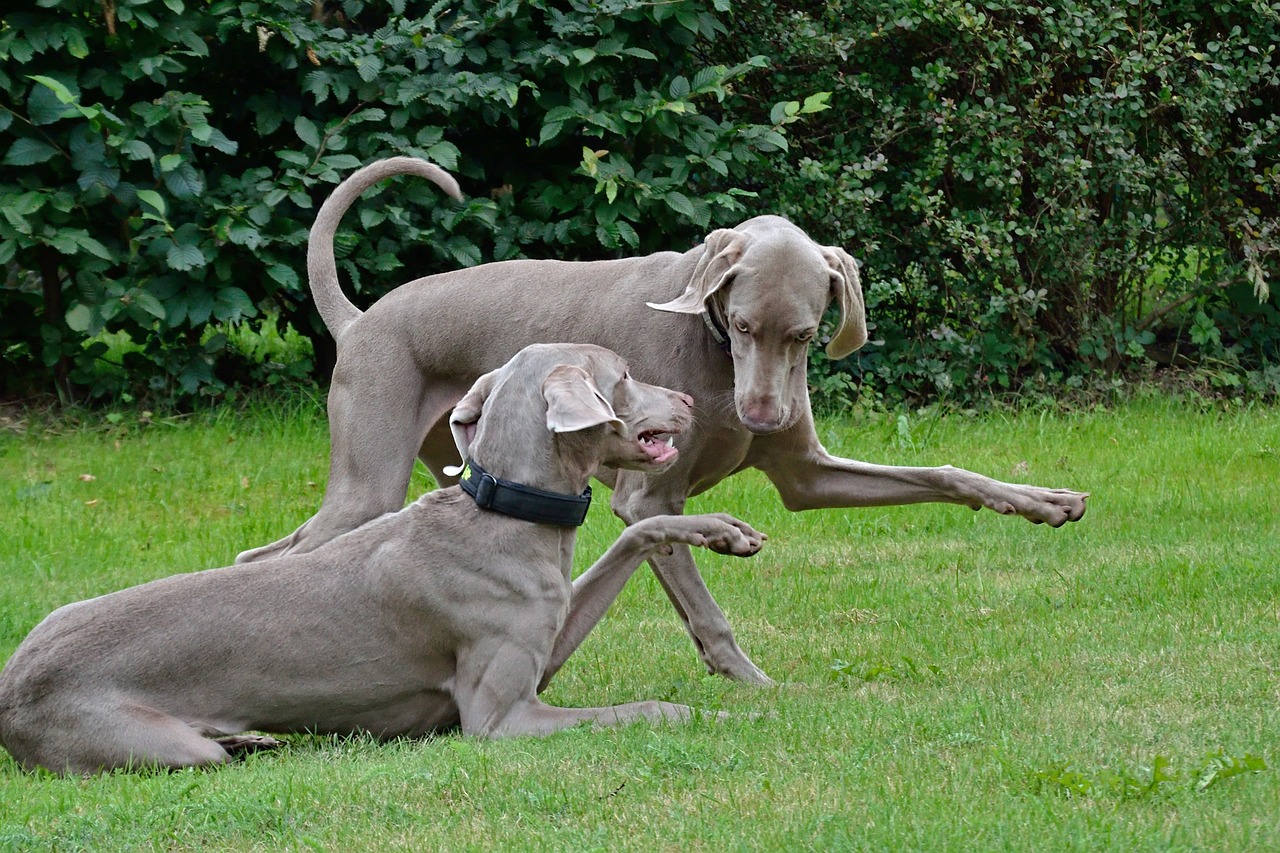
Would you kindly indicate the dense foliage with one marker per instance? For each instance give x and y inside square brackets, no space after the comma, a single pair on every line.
[1042,194]
[162,160]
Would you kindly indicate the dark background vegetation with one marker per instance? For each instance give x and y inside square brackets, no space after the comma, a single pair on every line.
[1046,197]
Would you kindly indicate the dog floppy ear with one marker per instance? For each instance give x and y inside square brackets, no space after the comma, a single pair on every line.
[846,288]
[574,402]
[462,423]
[721,250]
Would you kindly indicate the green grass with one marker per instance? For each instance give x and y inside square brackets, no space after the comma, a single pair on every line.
[953,680]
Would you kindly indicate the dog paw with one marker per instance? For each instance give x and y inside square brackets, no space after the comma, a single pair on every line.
[725,534]
[718,532]
[1054,507]
[241,745]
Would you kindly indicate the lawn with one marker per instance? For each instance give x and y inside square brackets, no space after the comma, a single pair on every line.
[950,680]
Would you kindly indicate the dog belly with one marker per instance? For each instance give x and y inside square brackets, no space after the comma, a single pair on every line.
[422,714]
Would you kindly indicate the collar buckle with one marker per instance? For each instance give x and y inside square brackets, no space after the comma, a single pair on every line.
[485,488]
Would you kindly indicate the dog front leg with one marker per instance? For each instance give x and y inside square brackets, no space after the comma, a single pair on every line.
[678,573]
[496,698]
[706,623]
[597,588]
[808,477]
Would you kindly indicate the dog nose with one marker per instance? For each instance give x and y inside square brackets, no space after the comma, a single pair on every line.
[686,399]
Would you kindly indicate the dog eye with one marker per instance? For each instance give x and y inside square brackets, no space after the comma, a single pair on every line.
[741,326]
[804,337]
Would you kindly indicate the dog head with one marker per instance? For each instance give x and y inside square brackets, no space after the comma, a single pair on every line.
[767,284]
[567,407]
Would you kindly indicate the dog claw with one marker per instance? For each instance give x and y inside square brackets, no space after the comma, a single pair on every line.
[241,745]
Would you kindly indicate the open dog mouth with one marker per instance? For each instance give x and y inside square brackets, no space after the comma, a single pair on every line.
[658,446]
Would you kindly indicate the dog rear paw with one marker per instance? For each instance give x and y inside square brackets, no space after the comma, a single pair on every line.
[239,746]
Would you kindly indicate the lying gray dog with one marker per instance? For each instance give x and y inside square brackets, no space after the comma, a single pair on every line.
[729,322]
[441,614]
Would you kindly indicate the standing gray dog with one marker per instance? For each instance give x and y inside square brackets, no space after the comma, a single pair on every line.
[729,322]
[441,614]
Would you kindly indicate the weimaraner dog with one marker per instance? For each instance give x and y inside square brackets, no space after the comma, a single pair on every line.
[455,610]
[729,322]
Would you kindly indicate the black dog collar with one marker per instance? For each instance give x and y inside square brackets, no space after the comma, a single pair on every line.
[523,502]
[718,332]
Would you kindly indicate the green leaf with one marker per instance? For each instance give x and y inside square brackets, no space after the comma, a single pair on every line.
[267,118]
[154,199]
[231,304]
[93,247]
[307,131]
[462,250]
[199,306]
[295,158]
[679,202]
[45,107]
[284,276]
[341,162]
[219,142]
[815,103]
[65,241]
[76,45]
[136,149]
[184,257]
[369,67]
[79,318]
[775,139]
[169,162]
[60,91]
[149,304]
[444,155]
[27,203]
[584,55]
[679,88]
[26,151]
[628,234]
[550,131]
[99,174]
[244,234]
[184,182]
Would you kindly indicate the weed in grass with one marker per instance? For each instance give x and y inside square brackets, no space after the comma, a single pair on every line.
[903,669]
[1218,766]
[1064,779]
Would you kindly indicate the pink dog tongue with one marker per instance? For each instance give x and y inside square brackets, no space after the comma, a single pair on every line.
[658,451]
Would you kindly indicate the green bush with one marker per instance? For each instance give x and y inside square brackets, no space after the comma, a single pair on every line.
[1043,193]
[162,160]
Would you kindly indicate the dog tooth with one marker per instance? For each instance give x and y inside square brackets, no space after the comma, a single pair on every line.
[671,441]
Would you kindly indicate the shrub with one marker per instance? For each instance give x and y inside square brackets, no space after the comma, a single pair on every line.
[163,159]
[1043,193]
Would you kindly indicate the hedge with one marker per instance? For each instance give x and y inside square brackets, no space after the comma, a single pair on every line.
[1044,196]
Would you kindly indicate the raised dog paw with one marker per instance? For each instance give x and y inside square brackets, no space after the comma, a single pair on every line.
[1054,507]
[725,534]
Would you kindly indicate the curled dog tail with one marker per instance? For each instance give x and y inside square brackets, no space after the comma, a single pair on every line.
[335,308]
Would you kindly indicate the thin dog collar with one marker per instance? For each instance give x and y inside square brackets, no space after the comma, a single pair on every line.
[523,502]
[718,332]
